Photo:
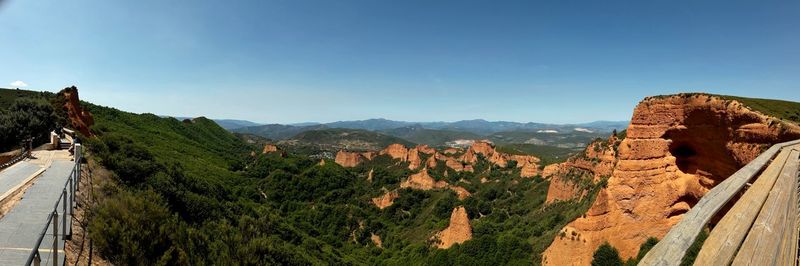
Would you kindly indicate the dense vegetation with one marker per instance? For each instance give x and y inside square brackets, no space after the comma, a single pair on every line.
[606,254]
[564,139]
[188,192]
[781,109]
[433,137]
[26,114]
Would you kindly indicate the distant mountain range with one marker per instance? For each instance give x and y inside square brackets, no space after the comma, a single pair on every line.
[371,133]
[476,126]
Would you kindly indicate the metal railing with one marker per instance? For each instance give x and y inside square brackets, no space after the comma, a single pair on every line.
[67,197]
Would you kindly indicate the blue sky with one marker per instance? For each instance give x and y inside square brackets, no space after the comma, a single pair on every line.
[293,61]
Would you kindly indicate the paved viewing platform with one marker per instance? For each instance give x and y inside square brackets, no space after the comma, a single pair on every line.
[40,182]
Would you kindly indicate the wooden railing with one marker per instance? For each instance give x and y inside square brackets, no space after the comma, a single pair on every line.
[761,227]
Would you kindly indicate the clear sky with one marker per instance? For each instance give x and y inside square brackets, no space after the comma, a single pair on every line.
[293,61]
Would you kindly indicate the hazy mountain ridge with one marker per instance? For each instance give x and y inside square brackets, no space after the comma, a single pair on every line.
[477,126]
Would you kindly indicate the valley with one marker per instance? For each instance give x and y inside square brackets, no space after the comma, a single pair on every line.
[410,194]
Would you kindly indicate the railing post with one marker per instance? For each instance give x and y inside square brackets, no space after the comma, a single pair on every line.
[64,214]
[71,208]
[37,259]
[78,158]
[54,251]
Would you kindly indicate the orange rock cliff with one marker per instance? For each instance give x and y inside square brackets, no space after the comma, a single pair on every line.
[677,148]
[594,163]
[457,232]
[79,119]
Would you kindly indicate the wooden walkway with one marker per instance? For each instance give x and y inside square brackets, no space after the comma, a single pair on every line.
[761,228]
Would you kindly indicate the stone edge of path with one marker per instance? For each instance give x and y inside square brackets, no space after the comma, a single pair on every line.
[18,188]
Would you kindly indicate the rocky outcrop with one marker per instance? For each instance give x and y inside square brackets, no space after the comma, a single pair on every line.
[431,162]
[453,164]
[269,148]
[376,239]
[677,148]
[461,192]
[369,155]
[422,181]
[457,232]
[386,200]
[414,161]
[396,151]
[597,161]
[529,165]
[78,118]
[425,149]
[551,169]
[348,159]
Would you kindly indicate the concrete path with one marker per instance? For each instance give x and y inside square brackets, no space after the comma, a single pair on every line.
[21,227]
[14,175]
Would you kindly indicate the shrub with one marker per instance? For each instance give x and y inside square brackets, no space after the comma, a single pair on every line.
[606,255]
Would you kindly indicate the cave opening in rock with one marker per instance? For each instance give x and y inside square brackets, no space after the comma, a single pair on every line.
[700,147]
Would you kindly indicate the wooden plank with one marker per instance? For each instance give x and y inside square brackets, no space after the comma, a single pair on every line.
[726,237]
[794,235]
[767,238]
[671,249]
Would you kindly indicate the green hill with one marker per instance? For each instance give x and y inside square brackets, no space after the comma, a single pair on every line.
[433,137]
[334,139]
[8,96]
[785,110]
[570,140]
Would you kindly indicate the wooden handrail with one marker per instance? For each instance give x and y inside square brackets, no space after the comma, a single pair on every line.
[672,248]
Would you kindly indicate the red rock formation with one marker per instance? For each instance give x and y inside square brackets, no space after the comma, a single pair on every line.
[461,192]
[457,232]
[80,119]
[595,162]
[451,151]
[425,149]
[376,239]
[349,159]
[551,170]
[414,161]
[396,151]
[453,164]
[431,162]
[386,199]
[269,148]
[369,155]
[422,181]
[529,165]
[677,148]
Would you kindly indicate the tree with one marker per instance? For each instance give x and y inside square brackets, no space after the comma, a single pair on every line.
[27,117]
[606,255]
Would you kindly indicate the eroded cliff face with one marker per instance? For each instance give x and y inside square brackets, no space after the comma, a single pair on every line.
[386,200]
[568,179]
[79,119]
[677,148]
[457,232]
[348,159]
[269,148]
